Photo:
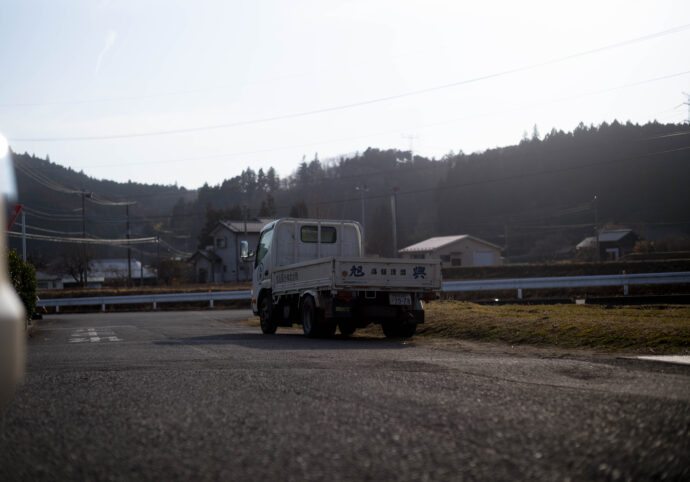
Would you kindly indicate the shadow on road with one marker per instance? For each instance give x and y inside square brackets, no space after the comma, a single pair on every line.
[287,342]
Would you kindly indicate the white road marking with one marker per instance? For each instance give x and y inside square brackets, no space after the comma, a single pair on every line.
[92,335]
[682,359]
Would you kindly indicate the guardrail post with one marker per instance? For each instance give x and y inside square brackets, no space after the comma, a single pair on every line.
[519,293]
[102,306]
[57,308]
[625,284]
[154,304]
[210,299]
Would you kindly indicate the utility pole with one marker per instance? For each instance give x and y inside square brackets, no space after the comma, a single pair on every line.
[394,212]
[244,216]
[158,259]
[85,265]
[24,236]
[596,226]
[505,242]
[129,250]
[362,190]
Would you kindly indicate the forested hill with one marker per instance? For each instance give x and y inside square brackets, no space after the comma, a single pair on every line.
[542,191]
[535,198]
[52,199]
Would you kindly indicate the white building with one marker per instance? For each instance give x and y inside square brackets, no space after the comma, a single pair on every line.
[455,251]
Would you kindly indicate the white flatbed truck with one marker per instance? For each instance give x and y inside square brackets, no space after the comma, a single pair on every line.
[312,272]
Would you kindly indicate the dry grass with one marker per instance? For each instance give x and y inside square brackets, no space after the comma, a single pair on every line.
[639,329]
[659,329]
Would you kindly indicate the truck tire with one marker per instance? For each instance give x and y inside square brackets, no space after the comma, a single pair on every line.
[308,316]
[268,322]
[311,325]
[396,329]
[346,328]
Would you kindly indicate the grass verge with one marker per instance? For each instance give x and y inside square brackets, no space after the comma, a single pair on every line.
[658,329]
[640,329]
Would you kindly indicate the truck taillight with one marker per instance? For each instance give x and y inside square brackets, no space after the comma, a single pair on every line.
[346,295]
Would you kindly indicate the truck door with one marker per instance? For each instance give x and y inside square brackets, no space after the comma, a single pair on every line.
[262,263]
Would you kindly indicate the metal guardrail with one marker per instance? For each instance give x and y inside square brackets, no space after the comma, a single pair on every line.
[519,284]
[154,300]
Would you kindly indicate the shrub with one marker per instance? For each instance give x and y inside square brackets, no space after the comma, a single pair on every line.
[23,278]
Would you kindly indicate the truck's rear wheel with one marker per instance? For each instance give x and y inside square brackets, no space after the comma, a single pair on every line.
[308,315]
[396,329]
[268,323]
[311,325]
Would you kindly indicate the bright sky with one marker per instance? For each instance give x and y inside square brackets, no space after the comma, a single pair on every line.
[195,91]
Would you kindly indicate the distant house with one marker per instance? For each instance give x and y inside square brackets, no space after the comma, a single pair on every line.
[221,262]
[613,244]
[205,262]
[114,271]
[47,281]
[453,251]
[93,281]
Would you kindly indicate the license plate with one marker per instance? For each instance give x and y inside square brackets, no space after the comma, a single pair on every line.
[395,299]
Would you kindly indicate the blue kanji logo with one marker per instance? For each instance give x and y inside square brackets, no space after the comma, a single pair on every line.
[419,272]
[356,271]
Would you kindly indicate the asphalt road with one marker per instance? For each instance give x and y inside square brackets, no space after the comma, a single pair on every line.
[199,396]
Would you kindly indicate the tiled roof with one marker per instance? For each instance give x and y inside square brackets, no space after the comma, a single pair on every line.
[238,226]
[613,236]
[440,241]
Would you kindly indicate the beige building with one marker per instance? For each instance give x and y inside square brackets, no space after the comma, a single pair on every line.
[454,251]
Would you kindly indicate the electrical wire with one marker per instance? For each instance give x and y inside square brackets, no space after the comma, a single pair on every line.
[39,178]
[360,103]
[116,242]
[67,233]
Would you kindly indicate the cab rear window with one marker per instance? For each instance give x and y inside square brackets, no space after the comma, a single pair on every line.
[310,234]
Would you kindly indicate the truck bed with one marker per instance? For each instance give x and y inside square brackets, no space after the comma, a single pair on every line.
[365,274]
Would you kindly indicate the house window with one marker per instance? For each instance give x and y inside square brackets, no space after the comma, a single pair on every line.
[309,234]
[445,258]
[456,262]
[418,256]
[221,242]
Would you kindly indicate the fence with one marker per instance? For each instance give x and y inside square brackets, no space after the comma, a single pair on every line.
[519,284]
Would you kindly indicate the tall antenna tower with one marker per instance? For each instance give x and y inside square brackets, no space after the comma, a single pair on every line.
[687,102]
[411,138]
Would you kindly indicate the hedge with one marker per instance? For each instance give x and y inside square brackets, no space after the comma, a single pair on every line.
[23,278]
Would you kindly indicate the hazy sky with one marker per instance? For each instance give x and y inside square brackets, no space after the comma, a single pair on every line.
[195,91]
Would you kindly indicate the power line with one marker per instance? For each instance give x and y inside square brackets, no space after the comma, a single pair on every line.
[110,242]
[68,233]
[137,97]
[360,103]
[43,180]
[387,132]
[386,195]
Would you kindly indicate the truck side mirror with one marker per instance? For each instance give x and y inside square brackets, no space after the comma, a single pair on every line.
[245,252]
